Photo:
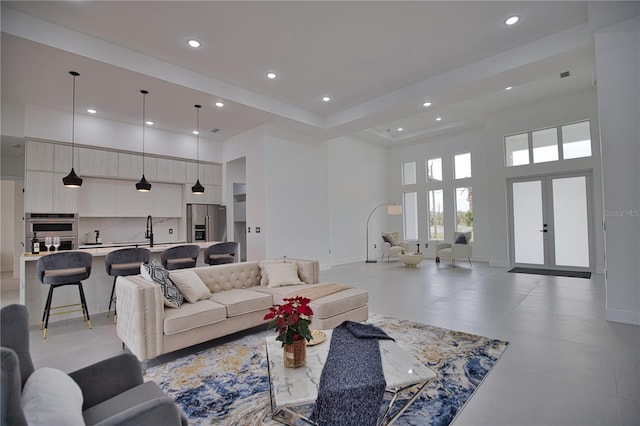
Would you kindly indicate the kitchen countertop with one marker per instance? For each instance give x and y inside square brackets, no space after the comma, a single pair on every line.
[104,249]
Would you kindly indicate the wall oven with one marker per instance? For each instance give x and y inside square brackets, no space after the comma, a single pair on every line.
[63,225]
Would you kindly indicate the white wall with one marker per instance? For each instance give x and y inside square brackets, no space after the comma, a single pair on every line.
[489,179]
[51,124]
[358,182]
[7,236]
[618,72]
[250,145]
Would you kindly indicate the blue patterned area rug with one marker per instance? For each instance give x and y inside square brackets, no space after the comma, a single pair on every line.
[228,384]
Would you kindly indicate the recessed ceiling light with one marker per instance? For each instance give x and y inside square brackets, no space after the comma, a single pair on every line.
[438,118]
[508,88]
[400,129]
[271,75]
[426,104]
[193,43]
[219,104]
[511,20]
[195,132]
[149,123]
[326,99]
[91,111]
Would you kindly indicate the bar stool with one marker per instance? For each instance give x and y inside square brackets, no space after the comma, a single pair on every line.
[61,269]
[123,262]
[221,253]
[180,257]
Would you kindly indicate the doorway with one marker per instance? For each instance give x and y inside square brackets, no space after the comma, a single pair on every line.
[550,222]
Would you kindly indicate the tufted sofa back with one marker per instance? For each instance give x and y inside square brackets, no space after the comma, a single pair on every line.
[229,276]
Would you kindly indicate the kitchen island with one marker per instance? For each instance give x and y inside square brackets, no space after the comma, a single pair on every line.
[97,288]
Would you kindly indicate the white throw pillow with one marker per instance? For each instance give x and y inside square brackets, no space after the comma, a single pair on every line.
[190,285]
[51,398]
[281,274]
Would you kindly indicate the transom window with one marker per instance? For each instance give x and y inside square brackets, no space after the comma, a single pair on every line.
[553,144]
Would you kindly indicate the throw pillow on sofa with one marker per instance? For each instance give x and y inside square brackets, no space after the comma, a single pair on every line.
[156,273]
[282,274]
[51,398]
[190,285]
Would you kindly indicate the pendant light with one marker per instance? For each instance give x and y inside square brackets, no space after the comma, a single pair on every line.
[143,185]
[72,180]
[198,189]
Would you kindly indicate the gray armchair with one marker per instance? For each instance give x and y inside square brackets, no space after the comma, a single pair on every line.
[113,390]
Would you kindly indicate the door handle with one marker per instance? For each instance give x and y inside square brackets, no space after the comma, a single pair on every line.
[543,230]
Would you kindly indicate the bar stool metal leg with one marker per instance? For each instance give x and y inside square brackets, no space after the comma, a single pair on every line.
[45,314]
[83,301]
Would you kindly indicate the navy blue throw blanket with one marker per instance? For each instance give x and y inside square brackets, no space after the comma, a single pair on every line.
[352,381]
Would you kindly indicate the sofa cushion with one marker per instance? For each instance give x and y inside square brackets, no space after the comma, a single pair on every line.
[193,315]
[282,274]
[156,273]
[340,302]
[50,398]
[242,301]
[190,285]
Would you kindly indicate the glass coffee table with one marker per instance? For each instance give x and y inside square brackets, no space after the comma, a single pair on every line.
[293,391]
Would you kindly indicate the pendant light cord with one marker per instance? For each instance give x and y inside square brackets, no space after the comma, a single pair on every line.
[73,121]
[144,108]
[198,141]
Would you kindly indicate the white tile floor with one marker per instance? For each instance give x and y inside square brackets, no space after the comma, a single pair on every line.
[565,365]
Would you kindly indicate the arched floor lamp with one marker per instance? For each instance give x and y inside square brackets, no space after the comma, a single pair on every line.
[392,210]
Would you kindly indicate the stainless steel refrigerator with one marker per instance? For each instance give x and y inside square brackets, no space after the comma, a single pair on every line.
[206,222]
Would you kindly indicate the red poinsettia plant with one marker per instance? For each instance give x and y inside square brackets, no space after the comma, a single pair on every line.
[291,319]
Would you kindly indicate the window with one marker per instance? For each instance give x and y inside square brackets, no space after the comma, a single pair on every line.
[409,173]
[462,165]
[434,170]
[410,209]
[545,145]
[436,214]
[464,209]
[517,149]
[576,140]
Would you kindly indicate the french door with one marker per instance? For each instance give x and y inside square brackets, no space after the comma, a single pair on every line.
[550,222]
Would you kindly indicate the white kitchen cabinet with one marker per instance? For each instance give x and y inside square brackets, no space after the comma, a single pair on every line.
[65,200]
[130,202]
[97,198]
[96,162]
[150,169]
[191,173]
[129,166]
[39,156]
[38,191]
[211,174]
[167,200]
[62,159]
[171,171]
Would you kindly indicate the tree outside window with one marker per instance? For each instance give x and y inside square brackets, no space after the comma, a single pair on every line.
[464,209]
[436,214]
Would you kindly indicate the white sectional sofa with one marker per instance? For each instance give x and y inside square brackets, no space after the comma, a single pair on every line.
[234,299]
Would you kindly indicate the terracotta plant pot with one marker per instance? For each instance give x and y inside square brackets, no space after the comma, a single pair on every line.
[295,354]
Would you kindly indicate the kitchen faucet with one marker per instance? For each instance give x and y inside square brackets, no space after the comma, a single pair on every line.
[149,233]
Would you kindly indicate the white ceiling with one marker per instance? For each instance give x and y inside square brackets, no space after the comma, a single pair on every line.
[379,61]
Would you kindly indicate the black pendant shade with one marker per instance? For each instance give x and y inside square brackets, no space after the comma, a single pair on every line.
[197,188]
[72,180]
[143,185]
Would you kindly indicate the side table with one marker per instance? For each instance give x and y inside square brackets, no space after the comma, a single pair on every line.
[411,260]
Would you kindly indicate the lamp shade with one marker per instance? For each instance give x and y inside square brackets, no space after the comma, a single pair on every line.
[197,189]
[394,209]
[143,185]
[72,180]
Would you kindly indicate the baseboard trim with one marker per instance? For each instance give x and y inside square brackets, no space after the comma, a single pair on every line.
[626,317]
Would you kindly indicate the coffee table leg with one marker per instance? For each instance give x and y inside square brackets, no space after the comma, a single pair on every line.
[385,419]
